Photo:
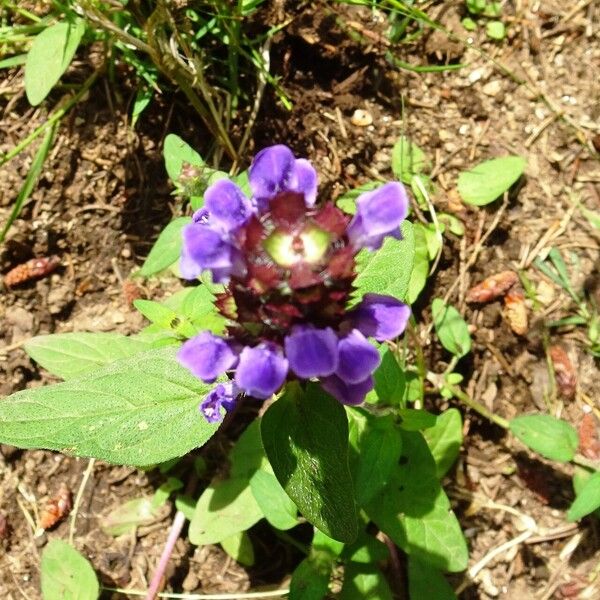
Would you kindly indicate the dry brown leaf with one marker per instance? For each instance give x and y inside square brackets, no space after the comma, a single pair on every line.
[589,444]
[32,269]
[564,372]
[492,287]
[57,508]
[515,311]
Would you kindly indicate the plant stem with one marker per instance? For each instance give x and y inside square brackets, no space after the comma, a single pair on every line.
[477,407]
[174,533]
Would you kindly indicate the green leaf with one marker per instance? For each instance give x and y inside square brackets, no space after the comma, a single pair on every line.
[587,500]
[142,99]
[425,583]
[66,575]
[413,419]
[390,380]
[165,490]
[176,153]
[239,547]
[408,160]
[70,355]
[366,582]
[310,580]
[495,30]
[278,508]
[551,437]
[469,24]
[415,512]
[367,549]
[224,509]
[376,445]
[139,410]
[166,249]
[490,179]
[444,440]
[199,308]
[347,201]
[420,270]
[451,328]
[49,57]
[305,436]
[388,270]
[247,455]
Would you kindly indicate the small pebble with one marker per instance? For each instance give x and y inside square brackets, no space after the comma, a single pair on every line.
[492,88]
[361,118]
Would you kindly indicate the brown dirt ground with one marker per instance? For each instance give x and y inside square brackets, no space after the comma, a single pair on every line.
[103,197]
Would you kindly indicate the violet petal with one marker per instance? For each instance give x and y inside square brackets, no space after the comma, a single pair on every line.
[207,356]
[270,171]
[227,205]
[381,317]
[378,214]
[261,370]
[358,358]
[312,352]
[203,248]
[223,395]
[303,179]
[347,393]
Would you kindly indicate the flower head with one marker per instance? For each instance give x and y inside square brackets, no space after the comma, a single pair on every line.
[289,266]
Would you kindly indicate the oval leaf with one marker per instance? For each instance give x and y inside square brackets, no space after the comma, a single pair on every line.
[489,180]
[551,437]
[388,270]
[69,355]
[50,55]
[66,575]
[166,249]
[451,328]
[140,410]
[588,499]
[176,153]
[305,436]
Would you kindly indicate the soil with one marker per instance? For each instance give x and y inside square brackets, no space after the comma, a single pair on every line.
[104,195]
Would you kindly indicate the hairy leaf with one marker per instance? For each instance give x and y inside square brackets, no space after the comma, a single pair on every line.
[551,437]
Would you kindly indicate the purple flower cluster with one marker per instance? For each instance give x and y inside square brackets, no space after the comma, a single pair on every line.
[289,268]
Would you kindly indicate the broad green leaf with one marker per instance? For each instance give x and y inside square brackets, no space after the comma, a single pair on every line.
[166,249]
[415,512]
[239,547]
[248,455]
[156,313]
[413,419]
[366,549]
[347,201]
[551,437]
[420,270]
[387,270]
[127,517]
[390,380]
[365,582]
[451,328]
[224,509]
[375,446]
[426,583]
[49,57]
[139,410]
[305,436]
[444,440]
[408,159]
[310,580]
[587,500]
[69,355]
[66,575]
[199,308]
[176,153]
[490,179]
[278,508]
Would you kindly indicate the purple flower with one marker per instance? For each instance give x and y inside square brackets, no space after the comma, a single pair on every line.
[378,214]
[261,371]
[227,206]
[289,265]
[223,395]
[347,393]
[207,356]
[274,170]
[204,248]
[312,352]
[381,317]
[358,358]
